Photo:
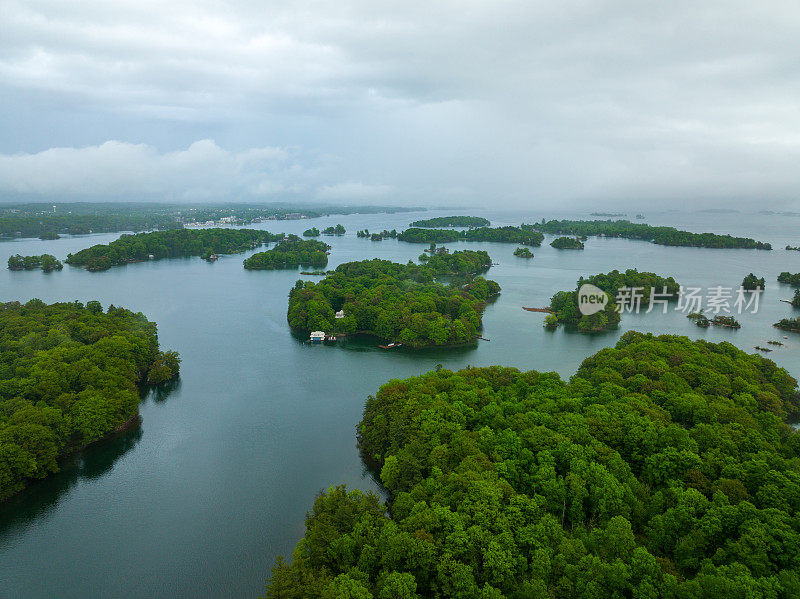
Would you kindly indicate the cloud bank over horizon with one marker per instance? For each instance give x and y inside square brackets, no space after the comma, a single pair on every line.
[530,104]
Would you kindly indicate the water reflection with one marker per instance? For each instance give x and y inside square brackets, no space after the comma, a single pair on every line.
[42,496]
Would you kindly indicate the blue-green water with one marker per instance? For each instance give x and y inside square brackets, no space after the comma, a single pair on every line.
[214,483]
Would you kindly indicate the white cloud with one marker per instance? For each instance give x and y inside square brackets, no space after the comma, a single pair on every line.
[117,170]
[520,102]
[354,191]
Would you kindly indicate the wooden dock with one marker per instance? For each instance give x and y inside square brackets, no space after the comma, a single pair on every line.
[547,310]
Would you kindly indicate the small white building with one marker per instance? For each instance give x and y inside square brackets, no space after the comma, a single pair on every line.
[317,336]
[340,314]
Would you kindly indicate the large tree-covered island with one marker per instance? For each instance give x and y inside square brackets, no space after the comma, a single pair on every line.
[170,244]
[660,235]
[69,375]
[498,234]
[400,303]
[451,221]
[290,253]
[663,468]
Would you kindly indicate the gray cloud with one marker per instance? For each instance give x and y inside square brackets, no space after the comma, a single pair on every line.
[526,103]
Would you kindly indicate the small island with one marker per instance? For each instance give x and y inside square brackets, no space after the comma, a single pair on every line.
[523,252]
[751,282]
[719,320]
[290,253]
[312,232]
[399,303]
[498,234]
[45,262]
[789,279]
[793,248]
[461,262]
[567,243]
[365,234]
[451,221]
[564,304]
[659,235]
[76,378]
[49,236]
[173,243]
[337,230]
[789,324]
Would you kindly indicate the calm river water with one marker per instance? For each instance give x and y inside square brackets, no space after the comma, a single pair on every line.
[201,497]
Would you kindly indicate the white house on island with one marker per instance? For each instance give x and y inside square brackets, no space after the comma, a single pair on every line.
[317,336]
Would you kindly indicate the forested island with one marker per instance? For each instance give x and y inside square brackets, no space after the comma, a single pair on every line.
[451,221]
[564,304]
[461,262]
[79,218]
[337,230]
[523,253]
[751,282]
[400,303]
[365,234]
[793,248]
[34,221]
[789,279]
[170,244]
[663,468]
[659,235]
[45,262]
[789,324]
[290,253]
[70,374]
[567,243]
[312,232]
[498,234]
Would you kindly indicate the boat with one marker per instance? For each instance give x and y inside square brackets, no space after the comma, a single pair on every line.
[390,346]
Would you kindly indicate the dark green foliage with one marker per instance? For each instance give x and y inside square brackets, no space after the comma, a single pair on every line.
[565,303]
[700,319]
[567,243]
[290,253]
[68,377]
[789,324]
[337,230]
[312,232]
[523,253]
[462,262]
[377,236]
[659,235]
[793,249]
[499,234]
[796,298]
[46,262]
[751,282]
[451,221]
[726,321]
[789,279]
[170,244]
[664,468]
[47,226]
[396,302]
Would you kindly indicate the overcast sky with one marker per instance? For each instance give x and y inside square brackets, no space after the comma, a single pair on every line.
[493,102]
